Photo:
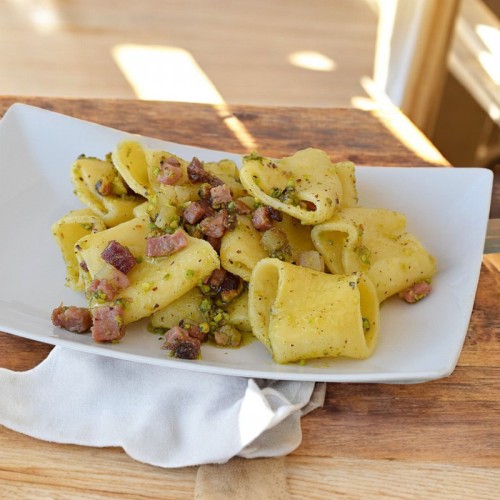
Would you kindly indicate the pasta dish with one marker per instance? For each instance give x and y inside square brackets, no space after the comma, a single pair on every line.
[282,250]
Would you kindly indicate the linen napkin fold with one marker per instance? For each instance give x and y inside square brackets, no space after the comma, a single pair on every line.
[161,416]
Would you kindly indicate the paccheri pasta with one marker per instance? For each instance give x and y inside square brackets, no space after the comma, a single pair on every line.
[300,313]
[67,231]
[374,241]
[98,185]
[280,249]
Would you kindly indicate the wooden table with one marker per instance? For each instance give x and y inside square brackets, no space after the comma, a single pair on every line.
[436,439]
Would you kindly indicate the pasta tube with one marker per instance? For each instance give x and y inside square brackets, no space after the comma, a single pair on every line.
[67,231]
[299,313]
[374,241]
[306,185]
[99,186]
[129,158]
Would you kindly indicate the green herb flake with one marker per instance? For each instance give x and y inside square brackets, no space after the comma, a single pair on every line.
[366,324]
[364,255]
[253,156]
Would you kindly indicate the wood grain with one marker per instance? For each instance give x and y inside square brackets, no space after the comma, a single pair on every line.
[369,440]
[36,469]
[346,134]
[65,48]
[365,478]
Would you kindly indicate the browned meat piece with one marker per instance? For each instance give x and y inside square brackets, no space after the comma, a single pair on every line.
[72,318]
[261,218]
[109,286]
[194,329]
[166,244]
[227,335]
[170,171]
[197,173]
[308,205]
[118,256]
[193,213]
[215,181]
[220,195]
[231,287]
[108,323]
[215,242]
[242,208]
[221,281]
[174,162]
[215,279]
[216,225]
[275,214]
[196,211]
[173,336]
[103,288]
[188,349]
[416,292]
[181,344]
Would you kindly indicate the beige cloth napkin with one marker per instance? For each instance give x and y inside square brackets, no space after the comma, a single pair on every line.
[161,416]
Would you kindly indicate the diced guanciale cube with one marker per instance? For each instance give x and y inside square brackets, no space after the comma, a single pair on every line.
[242,208]
[416,292]
[220,195]
[110,284]
[170,172]
[196,211]
[108,323]
[72,318]
[181,344]
[166,244]
[261,219]
[118,256]
[196,172]
[227,335]
[216,226]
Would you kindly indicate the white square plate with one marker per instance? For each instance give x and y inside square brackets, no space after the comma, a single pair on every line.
[446,208]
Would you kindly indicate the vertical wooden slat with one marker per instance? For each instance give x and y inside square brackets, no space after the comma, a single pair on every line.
[428,71]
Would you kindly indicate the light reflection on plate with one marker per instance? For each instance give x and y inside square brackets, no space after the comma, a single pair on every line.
[446,208]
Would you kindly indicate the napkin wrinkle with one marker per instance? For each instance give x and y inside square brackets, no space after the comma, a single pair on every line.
[255,414]
[159,415]
[279,404]
[287,436]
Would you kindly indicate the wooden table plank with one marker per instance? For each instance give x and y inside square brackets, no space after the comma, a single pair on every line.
[37,469]
[346,134]
[447,430]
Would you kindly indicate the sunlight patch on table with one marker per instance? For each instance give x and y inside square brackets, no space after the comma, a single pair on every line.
[235,125]
[397,122]
[163,73]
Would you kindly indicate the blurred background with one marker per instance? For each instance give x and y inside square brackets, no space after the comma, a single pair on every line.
[434,62]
